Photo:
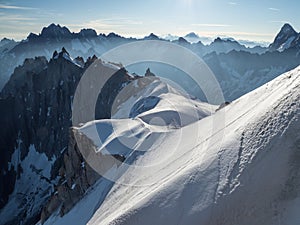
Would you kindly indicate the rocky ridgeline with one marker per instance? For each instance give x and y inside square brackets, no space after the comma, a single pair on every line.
[36,109]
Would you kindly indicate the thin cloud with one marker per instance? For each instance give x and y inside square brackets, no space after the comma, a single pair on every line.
[274,9]
[15,7]
[232,3]
[15,18]
[237,33]
[211,25]
[279,21]
[106,24]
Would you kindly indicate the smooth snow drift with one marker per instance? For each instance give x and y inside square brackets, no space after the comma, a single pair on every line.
[250,176]
[239,169]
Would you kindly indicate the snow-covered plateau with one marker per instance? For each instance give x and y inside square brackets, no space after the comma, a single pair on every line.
[238,165]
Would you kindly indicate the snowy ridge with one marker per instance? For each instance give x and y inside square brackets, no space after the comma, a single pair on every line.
[132,137]
[213,180]
[241,170]
[172,110]
[160,97]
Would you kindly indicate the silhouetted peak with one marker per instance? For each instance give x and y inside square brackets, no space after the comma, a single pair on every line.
[191,35]
[88,33]
[90,60]
[151,37]
[62,54]
[113,35]
[287,28]
[149,73]
[55,31]
[6,41]
[55,54]
[218,40]
[284,38]
[79,60]
[32,36]
[181,40]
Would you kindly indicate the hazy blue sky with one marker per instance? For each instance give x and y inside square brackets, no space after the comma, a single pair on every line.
[252,20]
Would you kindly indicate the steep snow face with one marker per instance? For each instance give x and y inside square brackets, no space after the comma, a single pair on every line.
[244,170]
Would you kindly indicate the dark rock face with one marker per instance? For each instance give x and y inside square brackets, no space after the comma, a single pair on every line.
[286,38]
[7,140]
[36,109]
[149,73]
[76,177]
[55,32]
[110,91]
[37,100]
[88,33]
[151,37]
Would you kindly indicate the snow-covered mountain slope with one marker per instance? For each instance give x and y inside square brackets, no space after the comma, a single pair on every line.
[137,130]
[150,97]
[168,112]
[241,166]
[237,166]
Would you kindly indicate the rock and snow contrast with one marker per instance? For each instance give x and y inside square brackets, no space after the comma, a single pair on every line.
[224,55]
[286,38]
[153,153]
[239,165]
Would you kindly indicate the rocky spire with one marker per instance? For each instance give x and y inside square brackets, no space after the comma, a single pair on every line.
[284,38]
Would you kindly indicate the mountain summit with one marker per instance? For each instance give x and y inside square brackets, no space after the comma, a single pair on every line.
[286,38]
[192,35]
[55,31]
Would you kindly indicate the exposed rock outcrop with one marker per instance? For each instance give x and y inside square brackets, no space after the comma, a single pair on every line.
[76,175]
[36,109]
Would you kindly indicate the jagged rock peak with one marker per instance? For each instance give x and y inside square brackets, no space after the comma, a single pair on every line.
[88,33]
[55,55]
[218,39]
[55,31]
[90,60]
[79,60]
[113,35]
[284,39]
[288,29]
[62,54]
[149,73]
[6,40]
[152,37]
[32,36]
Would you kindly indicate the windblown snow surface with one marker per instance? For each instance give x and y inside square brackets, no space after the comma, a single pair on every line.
[240,165]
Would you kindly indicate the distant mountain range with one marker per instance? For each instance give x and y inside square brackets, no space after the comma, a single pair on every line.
[87,43]
[41,167]
[192,37]
[226,57]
